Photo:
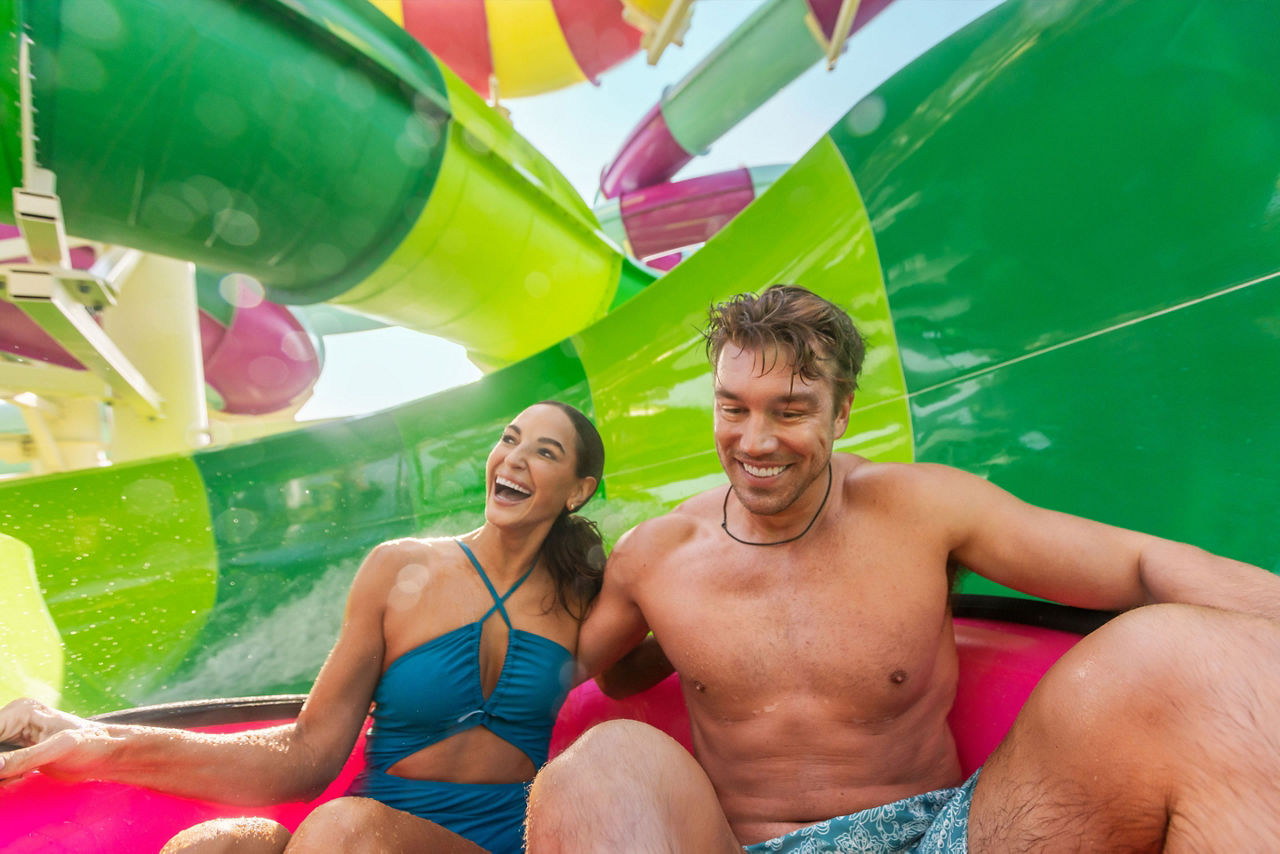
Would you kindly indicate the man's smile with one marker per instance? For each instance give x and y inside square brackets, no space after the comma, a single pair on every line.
[762,471]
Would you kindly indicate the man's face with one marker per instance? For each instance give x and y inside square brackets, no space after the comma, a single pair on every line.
[774,430]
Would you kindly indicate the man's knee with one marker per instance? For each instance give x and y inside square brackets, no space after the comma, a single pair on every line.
[612,748]
[618,778]
[1153,672]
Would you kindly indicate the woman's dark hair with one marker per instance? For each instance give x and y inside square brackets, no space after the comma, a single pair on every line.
[574,548]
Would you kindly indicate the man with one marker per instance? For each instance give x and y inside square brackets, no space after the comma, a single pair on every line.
[805,608]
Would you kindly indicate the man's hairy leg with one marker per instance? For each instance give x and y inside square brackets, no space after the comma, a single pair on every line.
[625,786]
[1161,730]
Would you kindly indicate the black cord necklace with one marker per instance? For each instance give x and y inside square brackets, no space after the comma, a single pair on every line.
[724,517]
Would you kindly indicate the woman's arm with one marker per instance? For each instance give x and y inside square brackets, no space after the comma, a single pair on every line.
[290,762]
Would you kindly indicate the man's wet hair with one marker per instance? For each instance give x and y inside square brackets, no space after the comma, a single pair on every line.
[792,322]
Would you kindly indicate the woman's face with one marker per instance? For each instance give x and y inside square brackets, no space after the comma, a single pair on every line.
[531,475]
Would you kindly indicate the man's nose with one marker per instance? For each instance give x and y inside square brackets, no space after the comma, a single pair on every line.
[758,437]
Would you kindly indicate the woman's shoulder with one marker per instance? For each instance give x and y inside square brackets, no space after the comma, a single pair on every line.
[408,560]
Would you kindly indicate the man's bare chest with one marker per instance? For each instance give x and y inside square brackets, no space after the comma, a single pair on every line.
[865,631]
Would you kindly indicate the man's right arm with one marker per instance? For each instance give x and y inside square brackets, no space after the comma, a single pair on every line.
[616,625]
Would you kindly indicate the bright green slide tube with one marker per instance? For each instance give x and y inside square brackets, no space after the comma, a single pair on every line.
[30,648]
[314,146]
[1079,222]
[962,215]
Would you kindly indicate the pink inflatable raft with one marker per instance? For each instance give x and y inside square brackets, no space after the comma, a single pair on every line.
[1001,660]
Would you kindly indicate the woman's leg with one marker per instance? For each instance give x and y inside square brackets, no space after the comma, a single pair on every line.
[241,835]
[355,825]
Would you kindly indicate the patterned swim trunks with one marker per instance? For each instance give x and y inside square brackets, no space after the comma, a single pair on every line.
[932,823]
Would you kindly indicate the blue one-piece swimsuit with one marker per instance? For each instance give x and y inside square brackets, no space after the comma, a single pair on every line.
[434,691]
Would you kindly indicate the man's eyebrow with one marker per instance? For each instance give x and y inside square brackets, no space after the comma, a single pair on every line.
[806,398]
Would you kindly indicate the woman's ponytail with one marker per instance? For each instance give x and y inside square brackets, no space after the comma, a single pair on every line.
[574,549]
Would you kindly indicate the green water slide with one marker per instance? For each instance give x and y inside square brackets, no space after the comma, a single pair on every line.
[1059,230]
[314,146]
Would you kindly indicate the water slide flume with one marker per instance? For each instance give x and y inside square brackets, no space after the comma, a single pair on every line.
[1028,255]
[773,46]
[317,148]
[654,222]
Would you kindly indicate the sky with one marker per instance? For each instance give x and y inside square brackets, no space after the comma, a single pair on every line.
[580,129]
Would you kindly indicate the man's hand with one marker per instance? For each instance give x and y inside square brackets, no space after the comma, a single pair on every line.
[56,743]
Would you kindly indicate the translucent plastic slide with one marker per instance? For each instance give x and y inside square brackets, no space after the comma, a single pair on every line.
[1058,231]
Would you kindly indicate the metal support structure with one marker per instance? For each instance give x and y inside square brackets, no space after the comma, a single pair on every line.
[658,34]
[50,381]
[832,47]
[157,323]
[46,288]
[43,295]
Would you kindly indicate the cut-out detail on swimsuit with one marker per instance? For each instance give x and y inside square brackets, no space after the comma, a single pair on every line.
[436,690]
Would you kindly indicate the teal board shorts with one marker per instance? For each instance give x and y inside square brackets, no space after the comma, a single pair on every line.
[931,823]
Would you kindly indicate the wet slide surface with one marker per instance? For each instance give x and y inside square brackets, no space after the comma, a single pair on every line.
[1057,298]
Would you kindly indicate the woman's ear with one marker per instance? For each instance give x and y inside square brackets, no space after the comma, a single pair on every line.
[585,489]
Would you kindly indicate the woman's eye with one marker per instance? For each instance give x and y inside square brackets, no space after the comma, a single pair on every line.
[508,439]
[546,453]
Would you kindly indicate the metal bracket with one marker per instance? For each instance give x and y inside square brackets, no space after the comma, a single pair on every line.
[839,34]
[658,34]
[43,296]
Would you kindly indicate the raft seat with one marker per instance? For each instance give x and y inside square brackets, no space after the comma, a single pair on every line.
[999,665]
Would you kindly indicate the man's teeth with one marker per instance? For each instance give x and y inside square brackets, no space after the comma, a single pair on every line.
[502,481]
[759,471]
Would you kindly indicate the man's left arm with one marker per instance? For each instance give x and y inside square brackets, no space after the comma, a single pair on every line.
[1089,564]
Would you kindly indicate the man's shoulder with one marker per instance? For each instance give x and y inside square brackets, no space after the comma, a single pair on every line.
[661,535]
[861,473]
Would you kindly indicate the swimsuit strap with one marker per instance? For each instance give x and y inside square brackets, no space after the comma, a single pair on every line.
[497,600]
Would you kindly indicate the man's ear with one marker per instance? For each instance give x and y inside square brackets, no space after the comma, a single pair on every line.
[842,414]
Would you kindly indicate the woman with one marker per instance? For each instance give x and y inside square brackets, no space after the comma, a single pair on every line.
[465,645]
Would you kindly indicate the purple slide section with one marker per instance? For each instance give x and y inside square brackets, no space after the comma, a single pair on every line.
[668,216]
[826,12]
[650,156]
[259,365]
[262,362]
